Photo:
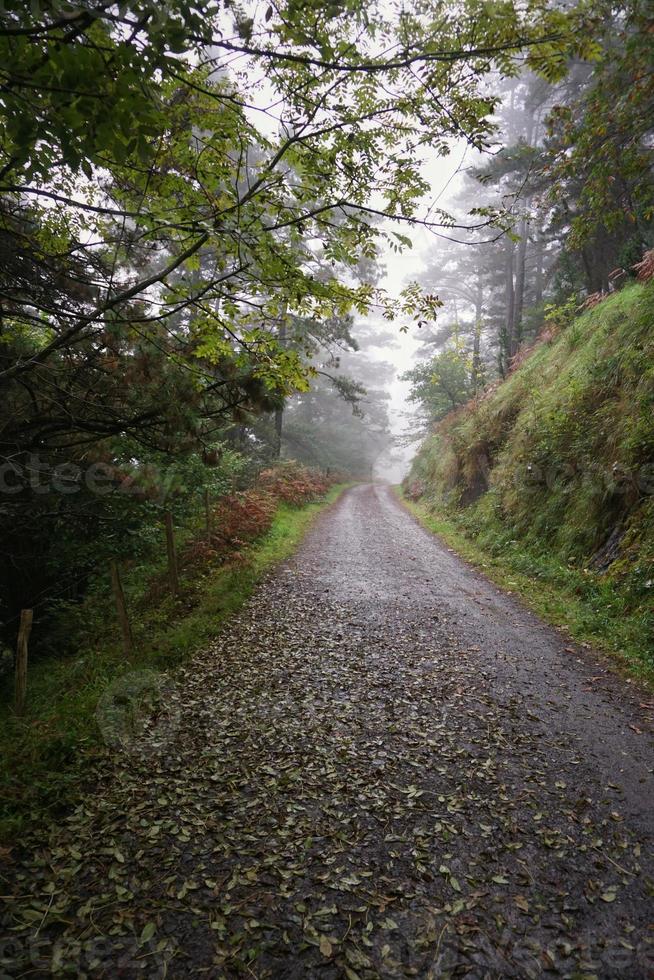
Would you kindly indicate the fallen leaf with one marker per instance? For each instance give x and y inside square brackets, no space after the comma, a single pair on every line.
[147,932]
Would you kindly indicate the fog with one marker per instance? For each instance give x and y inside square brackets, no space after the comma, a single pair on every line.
[400,268]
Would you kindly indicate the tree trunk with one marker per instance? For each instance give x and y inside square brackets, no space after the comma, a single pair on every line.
[476,346]
[538,275]
[279,425]
[21,659]
[519,287]
[279,412]
[509,301]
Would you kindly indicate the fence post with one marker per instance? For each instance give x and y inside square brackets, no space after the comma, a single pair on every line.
[207,512]
[21,659]
[172,557]
[121,608]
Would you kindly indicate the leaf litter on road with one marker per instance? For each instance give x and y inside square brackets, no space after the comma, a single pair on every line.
[338,803]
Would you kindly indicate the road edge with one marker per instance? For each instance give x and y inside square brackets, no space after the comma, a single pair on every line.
[549,603]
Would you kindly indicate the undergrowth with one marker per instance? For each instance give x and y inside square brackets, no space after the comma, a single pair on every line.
[49,755]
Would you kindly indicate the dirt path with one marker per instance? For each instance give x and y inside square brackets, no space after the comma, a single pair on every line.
[382,768]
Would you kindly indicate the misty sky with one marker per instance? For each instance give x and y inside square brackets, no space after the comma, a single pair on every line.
[442,174]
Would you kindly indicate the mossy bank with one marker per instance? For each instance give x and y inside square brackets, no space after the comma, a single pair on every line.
[547,480]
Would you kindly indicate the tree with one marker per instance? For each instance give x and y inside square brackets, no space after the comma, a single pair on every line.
[160,218]
[600,158]
[443,383]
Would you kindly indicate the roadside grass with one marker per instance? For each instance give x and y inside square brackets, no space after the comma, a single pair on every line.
[585,605]
[50,755]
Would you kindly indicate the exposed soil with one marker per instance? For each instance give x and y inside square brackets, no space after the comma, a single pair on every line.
[383,767]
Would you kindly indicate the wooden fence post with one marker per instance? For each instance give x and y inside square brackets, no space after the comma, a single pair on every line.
[21,659]
[121,608]
[172,557]
[207,512]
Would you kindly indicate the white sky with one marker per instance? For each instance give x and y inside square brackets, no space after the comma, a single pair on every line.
[402,268]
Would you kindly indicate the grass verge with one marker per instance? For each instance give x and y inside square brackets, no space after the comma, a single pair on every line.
[49,756]
[587,608]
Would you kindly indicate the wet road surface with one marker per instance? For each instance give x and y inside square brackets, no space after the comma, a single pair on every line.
[383,767]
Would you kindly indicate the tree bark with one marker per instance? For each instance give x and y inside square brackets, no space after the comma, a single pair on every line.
[279,412]
[21,659]
[519,287]
[538,276]
[509,300]
[476,345]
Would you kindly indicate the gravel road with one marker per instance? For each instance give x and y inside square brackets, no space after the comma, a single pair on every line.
[383,767]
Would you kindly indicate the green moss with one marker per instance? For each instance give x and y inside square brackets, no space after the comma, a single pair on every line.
[47,755]
[565,450]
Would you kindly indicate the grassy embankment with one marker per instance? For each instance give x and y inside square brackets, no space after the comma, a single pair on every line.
[547,481]
[49,755]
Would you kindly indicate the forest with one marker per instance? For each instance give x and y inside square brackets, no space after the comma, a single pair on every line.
[184,247]
[299,301]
